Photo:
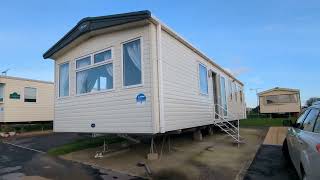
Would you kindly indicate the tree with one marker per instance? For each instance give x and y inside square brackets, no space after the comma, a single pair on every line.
[311,100]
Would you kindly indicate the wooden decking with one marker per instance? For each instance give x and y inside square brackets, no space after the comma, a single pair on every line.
[276,135]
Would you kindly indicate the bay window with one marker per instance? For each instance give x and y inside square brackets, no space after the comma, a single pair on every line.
[132,74]
[95,73]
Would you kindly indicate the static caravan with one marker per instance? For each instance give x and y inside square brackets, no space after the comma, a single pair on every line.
[280,101]
[130,73]
[25,100]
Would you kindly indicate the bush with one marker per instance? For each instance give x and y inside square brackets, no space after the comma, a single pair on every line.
[26,127]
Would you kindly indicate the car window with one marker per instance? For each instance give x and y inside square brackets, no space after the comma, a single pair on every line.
[317,126]
[308,123]
[303,116]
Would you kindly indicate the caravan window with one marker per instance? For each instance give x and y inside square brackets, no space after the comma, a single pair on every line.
[223,95]
[103,56]
[95,73]
[64,80]
[230,89]
[203,79]
[1,92]
[283,98]
[30,94]
[83,62]
[241,95]
[132,63]
[235,92]
[95,79]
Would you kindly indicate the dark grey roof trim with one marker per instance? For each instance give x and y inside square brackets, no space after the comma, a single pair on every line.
[95,23]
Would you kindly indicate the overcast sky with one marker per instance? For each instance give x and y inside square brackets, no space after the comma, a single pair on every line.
[264,43]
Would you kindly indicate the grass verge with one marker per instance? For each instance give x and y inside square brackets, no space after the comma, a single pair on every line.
[264,122]
[83,144]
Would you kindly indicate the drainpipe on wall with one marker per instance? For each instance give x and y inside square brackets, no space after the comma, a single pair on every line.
[160,78]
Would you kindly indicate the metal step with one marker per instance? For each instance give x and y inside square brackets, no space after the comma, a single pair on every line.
[227,127]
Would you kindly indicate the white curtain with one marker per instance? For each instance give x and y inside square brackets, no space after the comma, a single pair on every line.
[109,70]
[109,76]
[81,82]
[134,51]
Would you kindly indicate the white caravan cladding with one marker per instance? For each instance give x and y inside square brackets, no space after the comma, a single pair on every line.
[129,73]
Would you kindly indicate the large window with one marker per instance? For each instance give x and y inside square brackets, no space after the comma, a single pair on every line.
[223,95]
[203,82]
[64,80]
[317,126]
[30,94]
[94,73]
[1,92]
[310,120]
[132,63]
[302,116]
[284,98]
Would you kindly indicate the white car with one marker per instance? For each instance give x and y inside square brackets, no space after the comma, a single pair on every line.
[302,144]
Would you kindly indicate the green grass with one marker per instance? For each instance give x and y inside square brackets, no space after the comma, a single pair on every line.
[263,122]
[83,144]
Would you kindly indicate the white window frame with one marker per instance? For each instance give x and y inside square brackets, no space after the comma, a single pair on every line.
[199,85]
[58,80]
[142,63]
[94,65]
[1,102]
[24,91]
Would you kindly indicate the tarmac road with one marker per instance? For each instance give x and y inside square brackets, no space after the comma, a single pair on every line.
[269,163]
[21,160]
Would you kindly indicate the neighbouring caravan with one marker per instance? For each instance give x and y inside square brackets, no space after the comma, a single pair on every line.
[130,73]
[280,101]
[25,100]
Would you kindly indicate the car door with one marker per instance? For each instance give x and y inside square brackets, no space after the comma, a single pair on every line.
[292,134]
[304,140]
[314,152]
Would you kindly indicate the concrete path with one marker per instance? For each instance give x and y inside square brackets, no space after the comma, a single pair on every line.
[269,162]
[276,136]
